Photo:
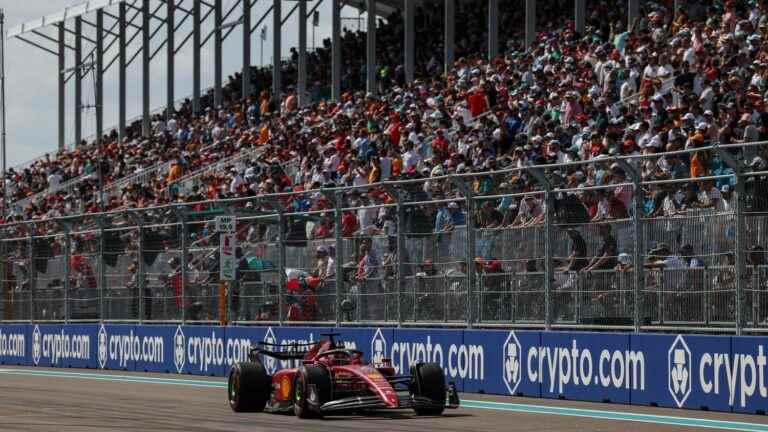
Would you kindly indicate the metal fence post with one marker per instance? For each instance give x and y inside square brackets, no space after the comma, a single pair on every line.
[181,215]
[137,220]
[739,241]
[102,273]
[140,272]
[740,247]
[639,250]
[336,198]
[400,275]
[339,255]
[549,269]
[471,248]
[400,232]
[67,255]
[281,277]
[31,272]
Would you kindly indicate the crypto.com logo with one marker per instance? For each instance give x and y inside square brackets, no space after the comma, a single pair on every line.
[679,366]
[378,348]
[512,368]
[178,349]
[102,347]
[36,345]
[270,363]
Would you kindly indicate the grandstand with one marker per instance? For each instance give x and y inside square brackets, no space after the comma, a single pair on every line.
[598,169]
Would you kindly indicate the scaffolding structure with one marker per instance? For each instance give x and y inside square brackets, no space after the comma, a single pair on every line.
[120,22]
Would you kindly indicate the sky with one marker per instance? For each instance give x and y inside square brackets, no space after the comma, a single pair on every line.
[31,73]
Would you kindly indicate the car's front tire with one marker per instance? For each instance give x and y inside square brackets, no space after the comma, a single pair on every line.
[249,387]
[303,405]
[428,380]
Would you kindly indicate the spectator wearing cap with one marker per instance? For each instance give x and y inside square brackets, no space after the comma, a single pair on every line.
[325,266]
[624,263]
[448,217]
[661,257]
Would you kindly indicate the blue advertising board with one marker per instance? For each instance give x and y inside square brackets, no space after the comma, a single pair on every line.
[749,393]
[15,346]
[722,373]
[596,367]
[504,356]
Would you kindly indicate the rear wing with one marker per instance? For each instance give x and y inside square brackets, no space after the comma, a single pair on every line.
[292,351]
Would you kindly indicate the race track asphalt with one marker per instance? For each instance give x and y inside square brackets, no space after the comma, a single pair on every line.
[38,399]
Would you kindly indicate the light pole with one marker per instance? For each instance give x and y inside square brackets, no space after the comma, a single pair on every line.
[2,108]
[261,51]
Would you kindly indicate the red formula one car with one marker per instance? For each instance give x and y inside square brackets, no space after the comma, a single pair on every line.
[334,380]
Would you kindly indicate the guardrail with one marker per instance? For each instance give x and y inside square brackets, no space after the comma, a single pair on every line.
[673,267]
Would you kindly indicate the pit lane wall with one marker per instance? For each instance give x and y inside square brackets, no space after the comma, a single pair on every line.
[722,373]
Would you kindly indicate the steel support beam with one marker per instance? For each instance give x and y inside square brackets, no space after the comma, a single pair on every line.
[170,47]
[370,47]
[146,123]
[78,74]
[122,60]
[335,50]
[277,14]
[493,28]
[579,15]
[410,36]
[530,22]
[450,33]
[301,87]
[37,45]
[62,87]
[246,78]
[196,35]
[99,76]
[217,55]
[633,12]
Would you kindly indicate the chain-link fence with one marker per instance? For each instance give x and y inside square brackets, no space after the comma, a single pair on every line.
[629,254]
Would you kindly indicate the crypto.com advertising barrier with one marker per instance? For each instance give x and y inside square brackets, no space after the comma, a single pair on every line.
[685,371]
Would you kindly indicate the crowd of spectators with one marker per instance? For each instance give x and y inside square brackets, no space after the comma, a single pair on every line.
[667,82]
[640,97]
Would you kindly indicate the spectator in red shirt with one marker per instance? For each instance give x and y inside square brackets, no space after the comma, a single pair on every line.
[478,102]
[349,224]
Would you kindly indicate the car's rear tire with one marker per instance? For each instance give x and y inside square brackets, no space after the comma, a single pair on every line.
[303,406]
[249,387]
[428,381]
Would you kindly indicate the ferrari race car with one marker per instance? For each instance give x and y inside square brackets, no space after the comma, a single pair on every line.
[332,379]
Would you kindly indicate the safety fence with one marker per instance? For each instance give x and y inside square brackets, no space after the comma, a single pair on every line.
[630,253]
[709,372]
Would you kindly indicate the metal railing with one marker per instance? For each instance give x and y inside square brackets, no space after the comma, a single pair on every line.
[660,264]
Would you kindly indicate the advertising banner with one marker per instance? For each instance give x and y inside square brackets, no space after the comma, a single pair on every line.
[683,371]
[68,346]
[722,373]
[597,367]
[505,355]
[15,344]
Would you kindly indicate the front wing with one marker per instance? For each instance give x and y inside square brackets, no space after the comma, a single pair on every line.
[374,402]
